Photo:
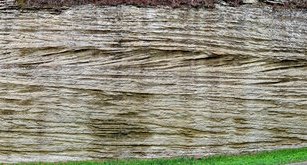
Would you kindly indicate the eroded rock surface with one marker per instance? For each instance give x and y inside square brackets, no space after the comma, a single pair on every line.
[118,82]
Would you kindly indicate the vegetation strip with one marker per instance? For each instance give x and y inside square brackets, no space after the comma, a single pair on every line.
[277,157]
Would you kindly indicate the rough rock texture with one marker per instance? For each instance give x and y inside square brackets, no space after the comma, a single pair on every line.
[250,1]
[118,82]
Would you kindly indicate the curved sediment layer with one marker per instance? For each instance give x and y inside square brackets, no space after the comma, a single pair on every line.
[120,82]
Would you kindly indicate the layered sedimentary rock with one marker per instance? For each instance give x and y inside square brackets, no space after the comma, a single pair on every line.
[119,82]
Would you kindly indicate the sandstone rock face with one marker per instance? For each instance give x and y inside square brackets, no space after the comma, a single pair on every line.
[127,82]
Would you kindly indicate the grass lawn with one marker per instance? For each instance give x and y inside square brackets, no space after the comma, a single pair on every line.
[284,156]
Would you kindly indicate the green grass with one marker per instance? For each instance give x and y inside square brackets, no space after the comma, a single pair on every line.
[276,157]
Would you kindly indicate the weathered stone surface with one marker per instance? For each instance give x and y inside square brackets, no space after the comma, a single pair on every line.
[120,82]
[250,1]
[275,1]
